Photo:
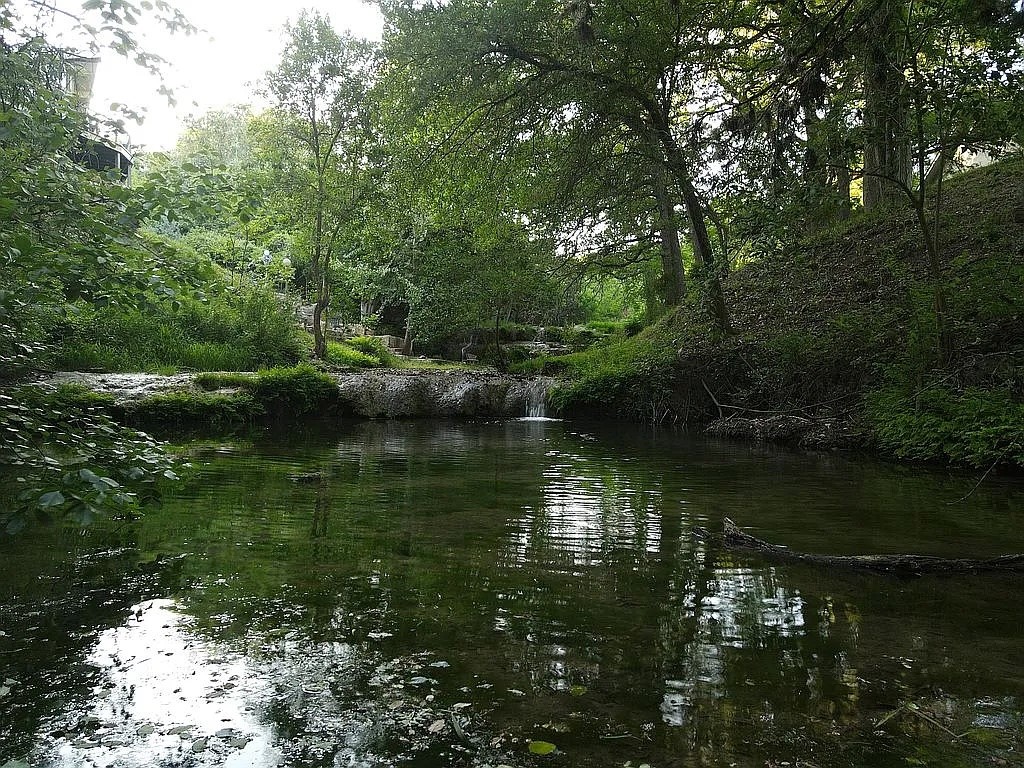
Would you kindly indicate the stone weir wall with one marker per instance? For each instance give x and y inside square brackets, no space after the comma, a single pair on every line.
[408,394]
[387,394]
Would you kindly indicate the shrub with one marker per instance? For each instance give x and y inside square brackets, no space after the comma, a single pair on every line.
[342,354]
[211,381]
[246,331]
[73,397]
[361,352]
[634,373]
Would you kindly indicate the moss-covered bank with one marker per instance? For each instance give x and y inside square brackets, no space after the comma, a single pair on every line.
[834,340]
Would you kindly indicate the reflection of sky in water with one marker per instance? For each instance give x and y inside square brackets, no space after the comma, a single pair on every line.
[742,609]
[744,605]
[587,512]
[168,697]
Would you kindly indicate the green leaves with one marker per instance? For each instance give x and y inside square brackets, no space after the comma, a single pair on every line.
[542,748]
[61,455]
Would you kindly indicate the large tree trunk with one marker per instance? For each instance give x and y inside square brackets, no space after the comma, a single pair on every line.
[673,275]
[887,167]
[703,254]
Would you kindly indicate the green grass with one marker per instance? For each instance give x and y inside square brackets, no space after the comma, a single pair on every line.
[428,364]
[633,374]
[220,380]
[173,409]
[361,352]
[297,391]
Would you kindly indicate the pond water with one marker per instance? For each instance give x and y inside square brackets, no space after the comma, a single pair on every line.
[510,594]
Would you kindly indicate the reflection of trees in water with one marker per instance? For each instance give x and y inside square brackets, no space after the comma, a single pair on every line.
[734,649]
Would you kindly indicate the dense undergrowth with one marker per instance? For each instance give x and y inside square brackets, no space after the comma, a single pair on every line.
[839,326]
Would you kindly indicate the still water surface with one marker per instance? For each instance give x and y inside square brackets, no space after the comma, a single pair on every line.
[438,594]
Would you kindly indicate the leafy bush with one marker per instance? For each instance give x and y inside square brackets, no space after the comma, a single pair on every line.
[343,354]
[372,347]
[581,337]
[293,391]
[361,352]
[279,391]
[636,374]
[223,248]
[516,332]
[63,457]
[974,426]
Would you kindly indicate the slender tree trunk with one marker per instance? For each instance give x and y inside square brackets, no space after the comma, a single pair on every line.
[499,353]
[407,341]
[945,336]
[319,335]
[320,259]
[843,183]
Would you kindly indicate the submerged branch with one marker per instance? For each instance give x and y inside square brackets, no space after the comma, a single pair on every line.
[906,565]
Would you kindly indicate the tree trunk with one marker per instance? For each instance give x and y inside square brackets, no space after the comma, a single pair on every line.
[673,275]
[887,168]
[704,256]
[499,353]
[319,337]
[843,182]
[930,238]
[320,264]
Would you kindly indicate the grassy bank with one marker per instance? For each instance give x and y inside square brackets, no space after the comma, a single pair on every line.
[839,327]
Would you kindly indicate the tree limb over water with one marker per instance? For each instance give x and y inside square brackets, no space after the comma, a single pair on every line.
[900,565]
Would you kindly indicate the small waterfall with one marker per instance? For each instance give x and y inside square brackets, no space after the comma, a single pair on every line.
[537,400]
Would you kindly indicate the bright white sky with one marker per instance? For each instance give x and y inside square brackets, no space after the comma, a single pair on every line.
[219,67]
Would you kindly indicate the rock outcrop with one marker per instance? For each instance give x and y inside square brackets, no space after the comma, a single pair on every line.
[411,394]
[375,394]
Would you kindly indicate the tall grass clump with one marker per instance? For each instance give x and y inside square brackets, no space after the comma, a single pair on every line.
[634,373]
[243,331]
[293,391]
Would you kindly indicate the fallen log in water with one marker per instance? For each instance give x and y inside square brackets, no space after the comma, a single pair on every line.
[905,565]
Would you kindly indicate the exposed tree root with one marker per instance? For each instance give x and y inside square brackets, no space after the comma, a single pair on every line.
[903,565]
